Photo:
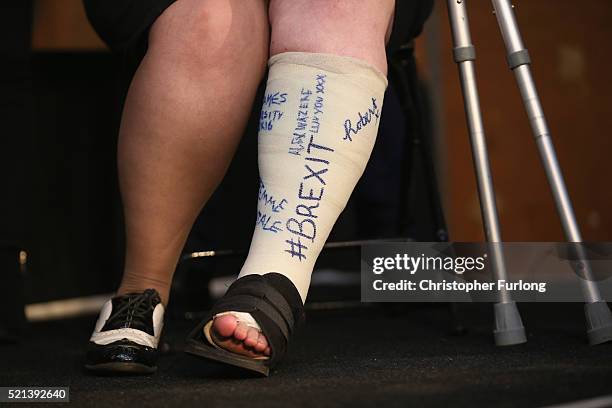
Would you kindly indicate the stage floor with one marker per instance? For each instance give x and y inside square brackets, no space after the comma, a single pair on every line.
[358,357]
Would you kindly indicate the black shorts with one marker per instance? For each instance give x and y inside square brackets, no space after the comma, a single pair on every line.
[124,24]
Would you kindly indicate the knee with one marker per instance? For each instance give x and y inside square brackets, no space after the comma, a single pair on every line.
[341,27]
[212,34]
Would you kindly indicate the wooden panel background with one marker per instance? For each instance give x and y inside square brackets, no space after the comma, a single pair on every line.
[569,45]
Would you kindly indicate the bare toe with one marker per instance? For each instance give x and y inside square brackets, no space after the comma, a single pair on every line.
[241,332]
[263,339]
[225,325]
[261,344]
[252,336]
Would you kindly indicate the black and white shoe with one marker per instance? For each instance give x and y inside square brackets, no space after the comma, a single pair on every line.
[126,335]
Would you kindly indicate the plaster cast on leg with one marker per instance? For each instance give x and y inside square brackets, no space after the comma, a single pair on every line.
[318,126]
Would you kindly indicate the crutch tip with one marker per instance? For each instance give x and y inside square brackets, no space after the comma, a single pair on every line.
[599,322]
[509,329]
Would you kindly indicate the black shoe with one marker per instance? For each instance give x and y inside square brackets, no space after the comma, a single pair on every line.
[126,335]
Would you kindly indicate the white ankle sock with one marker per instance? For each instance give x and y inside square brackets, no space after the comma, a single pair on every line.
[318,126]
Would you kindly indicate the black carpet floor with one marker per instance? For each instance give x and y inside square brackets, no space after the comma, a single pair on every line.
[358,357]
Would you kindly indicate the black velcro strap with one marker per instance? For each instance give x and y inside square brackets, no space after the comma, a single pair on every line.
[285,287]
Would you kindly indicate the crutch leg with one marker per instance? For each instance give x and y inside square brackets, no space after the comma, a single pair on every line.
[509,328]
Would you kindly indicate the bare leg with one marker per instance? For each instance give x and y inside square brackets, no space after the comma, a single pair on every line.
[347,28]
[343,28]
[185,112]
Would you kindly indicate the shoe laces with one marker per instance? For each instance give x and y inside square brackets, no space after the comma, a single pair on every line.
[134,307]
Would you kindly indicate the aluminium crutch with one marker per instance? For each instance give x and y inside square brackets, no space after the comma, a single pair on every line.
[509,328]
